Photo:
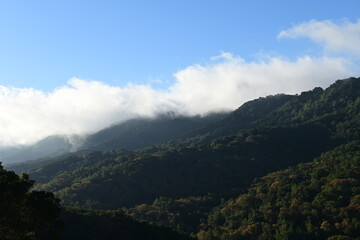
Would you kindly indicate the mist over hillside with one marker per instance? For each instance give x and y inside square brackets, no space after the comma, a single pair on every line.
[195,175]
[132,134]
[84,107]
[180,120]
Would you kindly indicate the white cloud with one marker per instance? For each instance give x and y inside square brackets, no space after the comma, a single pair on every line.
[226,85]
[338,38]
[84,106]
[28,115]
[80,107]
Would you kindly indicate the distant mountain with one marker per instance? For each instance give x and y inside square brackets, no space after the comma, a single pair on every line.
[291,129]
[96,179]
[47,147]
[132,134]
[337,101]
[139,133]
[197,179]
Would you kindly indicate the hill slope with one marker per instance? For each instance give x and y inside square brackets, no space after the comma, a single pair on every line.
[132,134]
[81,224]
[180,183]
[316,200]
[292,130]
[140,133]
[48,147]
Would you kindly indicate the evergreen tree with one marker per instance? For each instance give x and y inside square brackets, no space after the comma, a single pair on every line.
[26,214]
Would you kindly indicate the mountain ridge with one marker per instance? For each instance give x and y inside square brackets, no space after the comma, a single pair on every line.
[193,184]
[293,129]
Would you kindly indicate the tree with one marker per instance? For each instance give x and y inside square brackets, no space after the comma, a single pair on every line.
[26,214]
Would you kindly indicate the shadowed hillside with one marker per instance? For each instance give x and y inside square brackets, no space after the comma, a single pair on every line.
[198,177]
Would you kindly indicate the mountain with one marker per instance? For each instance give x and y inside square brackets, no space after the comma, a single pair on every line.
[139,133]
[132,134]
[81,224]
[338,102]
[30,215]
[278,167]
[292,129]
[316,200]
[144,132]
[96,179]
[48,147]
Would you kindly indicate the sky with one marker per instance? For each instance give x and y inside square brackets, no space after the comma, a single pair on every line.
[75,67]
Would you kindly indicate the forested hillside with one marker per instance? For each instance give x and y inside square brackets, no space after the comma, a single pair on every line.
[81,224]
[133,134]
[29,215]
[139,133]
[48,147]
[316,200]
[295,129]
[248,175]
[114,179]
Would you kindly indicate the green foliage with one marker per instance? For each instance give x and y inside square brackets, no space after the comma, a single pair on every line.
[139,133]
[114,179]
[34,215]
[26,214]
[132,134]
[83,224]
[183,215]
[316,200]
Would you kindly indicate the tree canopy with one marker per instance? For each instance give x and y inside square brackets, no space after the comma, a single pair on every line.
[24,213]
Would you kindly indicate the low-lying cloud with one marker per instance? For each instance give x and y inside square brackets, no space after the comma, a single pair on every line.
[85,106]
[226,85]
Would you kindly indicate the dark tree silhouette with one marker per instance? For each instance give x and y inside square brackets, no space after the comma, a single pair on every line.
[26,214]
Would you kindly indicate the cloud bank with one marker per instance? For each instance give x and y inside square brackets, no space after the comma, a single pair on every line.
[199,89]
[84,106]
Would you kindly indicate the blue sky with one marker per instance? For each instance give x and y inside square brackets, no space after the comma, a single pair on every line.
[75,67]
[45,43]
